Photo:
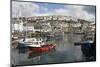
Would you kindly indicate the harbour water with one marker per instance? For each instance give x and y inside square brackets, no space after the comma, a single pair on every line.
[65,51]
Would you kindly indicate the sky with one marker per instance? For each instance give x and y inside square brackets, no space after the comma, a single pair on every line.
[45,9]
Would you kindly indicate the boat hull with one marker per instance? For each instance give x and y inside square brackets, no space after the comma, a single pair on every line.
[44,48]
[88,49]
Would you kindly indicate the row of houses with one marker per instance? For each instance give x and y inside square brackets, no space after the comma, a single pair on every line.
[30,27]
[48,18]
[38,23]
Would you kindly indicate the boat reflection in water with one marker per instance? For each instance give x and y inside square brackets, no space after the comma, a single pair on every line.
[33,55]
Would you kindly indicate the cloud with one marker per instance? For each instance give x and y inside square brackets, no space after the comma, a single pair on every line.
[35,9]
[74,11]
[90,9]
[45,8]
[24,9]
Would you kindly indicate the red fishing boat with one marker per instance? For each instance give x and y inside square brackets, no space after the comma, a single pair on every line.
[36,45]
[43,48]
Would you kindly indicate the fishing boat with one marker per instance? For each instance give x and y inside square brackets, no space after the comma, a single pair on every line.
[88,46]
[54,37]
[36,45]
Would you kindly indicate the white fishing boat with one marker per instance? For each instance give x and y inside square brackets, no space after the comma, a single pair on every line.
[31,42]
